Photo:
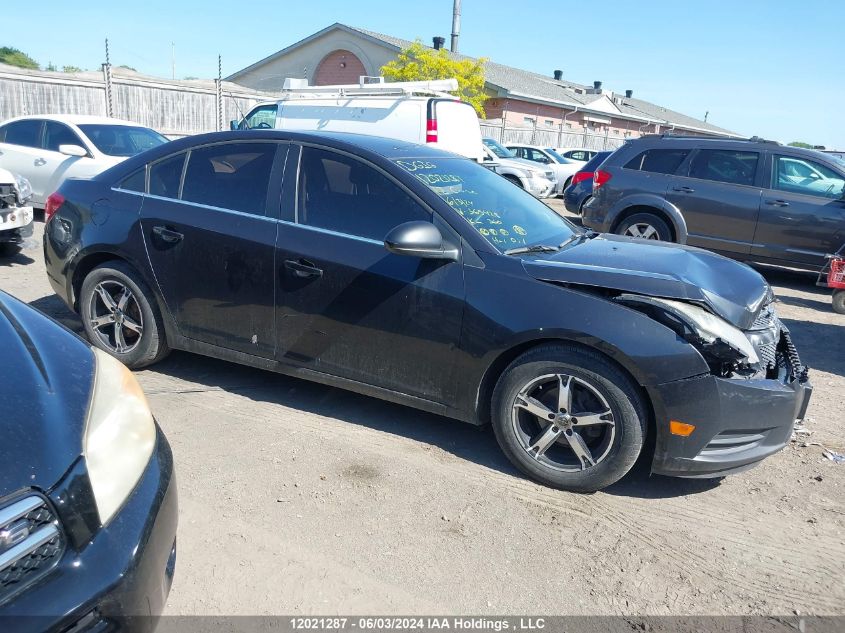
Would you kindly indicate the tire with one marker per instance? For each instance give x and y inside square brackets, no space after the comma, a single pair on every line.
[614,435]
[581,206]
[839,301]
[139,311]
[9,249]
[647,225]
[567,183]
[514,180]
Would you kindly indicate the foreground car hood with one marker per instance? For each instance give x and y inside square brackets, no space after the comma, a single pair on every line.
[661,269]
[46,375]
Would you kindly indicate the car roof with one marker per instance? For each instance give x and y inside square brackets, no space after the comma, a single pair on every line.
[76,119]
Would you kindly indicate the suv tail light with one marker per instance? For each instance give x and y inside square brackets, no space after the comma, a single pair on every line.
[600,177]
[54,201]
[431,131]
[581,176]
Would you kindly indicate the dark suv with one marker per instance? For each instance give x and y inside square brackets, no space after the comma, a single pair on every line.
[748,199]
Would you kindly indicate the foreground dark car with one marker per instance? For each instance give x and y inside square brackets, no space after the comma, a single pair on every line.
[751,200]
[581,189]
[422,278]
[87,496]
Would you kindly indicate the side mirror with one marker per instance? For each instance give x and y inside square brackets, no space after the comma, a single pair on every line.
[233,124]
[419,239]
[73,150]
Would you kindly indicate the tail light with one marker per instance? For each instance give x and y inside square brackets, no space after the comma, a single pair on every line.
[431,131]
[600,177]
[54,201]
[581,176]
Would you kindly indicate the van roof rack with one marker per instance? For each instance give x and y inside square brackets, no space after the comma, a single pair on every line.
[370,86]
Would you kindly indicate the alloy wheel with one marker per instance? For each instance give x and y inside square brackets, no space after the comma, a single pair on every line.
[643,230]
[116,316]
[563,422]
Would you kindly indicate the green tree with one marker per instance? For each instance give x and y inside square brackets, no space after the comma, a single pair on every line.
[14,57]
[71,69]
[128,67]
[801,144]
[421,63]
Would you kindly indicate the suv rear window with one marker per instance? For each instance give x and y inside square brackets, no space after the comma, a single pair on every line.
[659,161]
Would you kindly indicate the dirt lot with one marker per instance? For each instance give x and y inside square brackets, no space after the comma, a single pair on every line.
[299,498]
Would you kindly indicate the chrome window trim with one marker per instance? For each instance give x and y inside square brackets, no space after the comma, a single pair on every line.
[319,229]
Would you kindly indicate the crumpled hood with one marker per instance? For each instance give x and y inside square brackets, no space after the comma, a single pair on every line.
[659,269]
[46,374]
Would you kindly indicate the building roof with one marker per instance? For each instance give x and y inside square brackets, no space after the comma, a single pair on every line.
[510,82]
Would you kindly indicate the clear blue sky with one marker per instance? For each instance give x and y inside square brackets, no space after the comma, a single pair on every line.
[762,67]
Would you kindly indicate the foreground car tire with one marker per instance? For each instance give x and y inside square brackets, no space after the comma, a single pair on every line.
[645,226]
[569,418]
[120,315]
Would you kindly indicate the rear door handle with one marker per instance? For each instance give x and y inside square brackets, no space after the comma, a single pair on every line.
[303,268]
[39,161]
[778,203]
[167,235]
[684,189]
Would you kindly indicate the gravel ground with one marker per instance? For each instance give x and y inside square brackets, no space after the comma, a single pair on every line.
[300,498]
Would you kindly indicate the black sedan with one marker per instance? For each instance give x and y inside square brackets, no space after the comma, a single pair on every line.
[88,506]
[413,275]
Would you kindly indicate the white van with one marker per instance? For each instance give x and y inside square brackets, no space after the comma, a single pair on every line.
[418,112]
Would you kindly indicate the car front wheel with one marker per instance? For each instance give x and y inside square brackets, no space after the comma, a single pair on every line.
[120,315]
[569,418]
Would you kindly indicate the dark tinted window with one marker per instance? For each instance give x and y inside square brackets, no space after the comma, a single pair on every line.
[122,140]
[595,161]
[137,181]
[345,195]
[231,176]
[165,176]
[56,134]
[723,165]
[27,133]
[660,161]
[799,175]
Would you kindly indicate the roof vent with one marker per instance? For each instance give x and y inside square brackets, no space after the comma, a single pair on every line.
[629,94]
[596,85]
[558,75]
[438,42]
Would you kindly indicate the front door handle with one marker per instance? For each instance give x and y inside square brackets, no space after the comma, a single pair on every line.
[167,235]
[303,268]
[684,189]
[778,203]
[39,161]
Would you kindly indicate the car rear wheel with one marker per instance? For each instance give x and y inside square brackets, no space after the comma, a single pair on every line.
[645,226]
[568,418]
[120,315]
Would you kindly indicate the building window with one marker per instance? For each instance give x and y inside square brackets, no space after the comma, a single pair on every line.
[568,126]
[550,123]
[528,120]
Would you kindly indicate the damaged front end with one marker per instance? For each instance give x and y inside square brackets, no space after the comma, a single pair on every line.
[15,213]
[745,409]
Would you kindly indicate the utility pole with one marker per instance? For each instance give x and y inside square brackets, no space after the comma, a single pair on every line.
[456,24]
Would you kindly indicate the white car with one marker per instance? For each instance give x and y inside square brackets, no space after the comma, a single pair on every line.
[47,149]
[563,168]
[537,180]
[15,212]
[577,153]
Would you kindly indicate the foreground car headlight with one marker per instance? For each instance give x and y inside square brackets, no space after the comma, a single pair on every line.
[711,328]
[24,189]
[120,435]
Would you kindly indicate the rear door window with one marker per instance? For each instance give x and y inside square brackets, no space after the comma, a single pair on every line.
[26,133]
[345,195]
[799,175]
[232,176]
[721,165]
[165,176]
[659,161]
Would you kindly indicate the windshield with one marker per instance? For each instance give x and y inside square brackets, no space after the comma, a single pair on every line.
[122,140]
[556,156]
[498,149]
[505,215]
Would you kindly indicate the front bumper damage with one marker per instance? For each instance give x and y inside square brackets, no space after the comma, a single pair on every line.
[15,218]
[738,421]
